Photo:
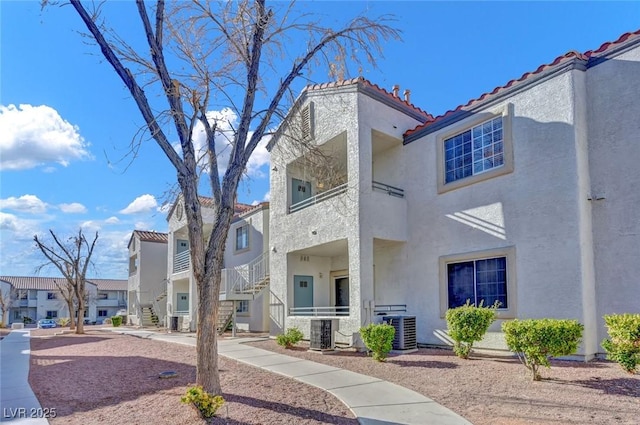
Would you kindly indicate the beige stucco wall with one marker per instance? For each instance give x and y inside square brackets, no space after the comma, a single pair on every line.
[614,154]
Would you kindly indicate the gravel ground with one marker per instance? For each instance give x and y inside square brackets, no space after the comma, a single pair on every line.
[104,378]
[498,390]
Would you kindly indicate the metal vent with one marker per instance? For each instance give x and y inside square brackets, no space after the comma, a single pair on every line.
[306,118]
[321,334]
[405,337]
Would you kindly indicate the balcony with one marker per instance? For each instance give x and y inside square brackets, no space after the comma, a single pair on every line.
[181,262]
[323,196]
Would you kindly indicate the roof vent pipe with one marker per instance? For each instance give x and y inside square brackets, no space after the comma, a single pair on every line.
[407,95]
[396,90]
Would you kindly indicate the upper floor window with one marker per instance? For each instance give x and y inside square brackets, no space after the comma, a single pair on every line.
[242,237]
[474,151]
[103,295]
[52,296]
[477,148]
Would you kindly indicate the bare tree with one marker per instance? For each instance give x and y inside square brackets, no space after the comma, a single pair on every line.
[72,259]
[69,296]
[236,55]
[6,298]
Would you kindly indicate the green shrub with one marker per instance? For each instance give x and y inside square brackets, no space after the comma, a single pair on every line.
[535,341]
[64,321]
[206,403]
[468,324]
[27,320]
[290,338]
[623,346]
[378,338]
[116,321]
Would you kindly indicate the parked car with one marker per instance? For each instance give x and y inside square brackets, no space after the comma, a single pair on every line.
[46,323]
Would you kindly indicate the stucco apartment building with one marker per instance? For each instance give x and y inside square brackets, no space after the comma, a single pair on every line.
[147,282]
[528,195]
[244,292]
[40,298]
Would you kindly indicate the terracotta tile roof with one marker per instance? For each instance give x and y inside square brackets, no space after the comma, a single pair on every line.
[586,56]
[366,83]
[251,210]
[151,236]
[110,284]
[49,283]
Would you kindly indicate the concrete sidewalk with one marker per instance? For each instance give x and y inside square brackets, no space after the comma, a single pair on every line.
[372,400]
[19,404]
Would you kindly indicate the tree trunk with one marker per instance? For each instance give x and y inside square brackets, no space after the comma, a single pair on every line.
[72,321]
[207,345]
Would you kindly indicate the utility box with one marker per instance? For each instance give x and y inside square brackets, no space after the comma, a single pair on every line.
[322,334]
[174,323]
[405,337]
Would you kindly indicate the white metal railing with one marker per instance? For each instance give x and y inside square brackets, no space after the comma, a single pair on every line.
[244,279]
[181,261]
[388,189]
[181,313]
[381,309]
[323,196]
[319,311]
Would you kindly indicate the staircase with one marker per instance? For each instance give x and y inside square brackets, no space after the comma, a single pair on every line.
[225,316]
[149,318]
[246,282]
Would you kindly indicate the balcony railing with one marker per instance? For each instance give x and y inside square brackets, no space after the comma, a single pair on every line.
[323,196]
[181,262]
[319,311]
[388,189]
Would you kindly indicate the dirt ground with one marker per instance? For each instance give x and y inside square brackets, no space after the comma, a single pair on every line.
[490,390]
[104,378]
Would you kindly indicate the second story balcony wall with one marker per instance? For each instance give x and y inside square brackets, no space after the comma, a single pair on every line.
[322,196]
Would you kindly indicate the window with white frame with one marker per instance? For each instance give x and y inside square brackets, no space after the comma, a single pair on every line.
[52,296]
[22,294]
[242,238]
[52,314]
[102,313]
[474,151]
[103,296]
[242,307]
[482,282]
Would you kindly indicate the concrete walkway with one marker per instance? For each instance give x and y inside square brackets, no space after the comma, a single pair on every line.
[19,405]
[372,400]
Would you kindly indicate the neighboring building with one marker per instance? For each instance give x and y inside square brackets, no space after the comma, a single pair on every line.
[111,297]
[528,195]
[40,298]
[246,268]
[147,284]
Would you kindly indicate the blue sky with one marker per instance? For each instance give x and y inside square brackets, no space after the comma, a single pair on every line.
[66,120]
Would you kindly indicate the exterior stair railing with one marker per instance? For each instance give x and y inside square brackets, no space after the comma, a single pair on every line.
[248,278]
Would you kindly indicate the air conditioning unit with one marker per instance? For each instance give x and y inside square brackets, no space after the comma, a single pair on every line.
[405,337]
[322,334]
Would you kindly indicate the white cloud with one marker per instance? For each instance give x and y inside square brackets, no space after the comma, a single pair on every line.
[112,220]
[267,196]
[142,225]
[90,226]
[26,203]
[34,135]
[141,204]
[226,122]
[21,229]
[259,158]
[73,208]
